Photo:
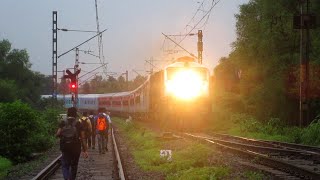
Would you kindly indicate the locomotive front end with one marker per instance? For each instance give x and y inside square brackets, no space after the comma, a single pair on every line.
[187,94]
[187,83]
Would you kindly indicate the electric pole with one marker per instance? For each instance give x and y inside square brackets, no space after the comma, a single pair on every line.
[54,54]
[304,22]
[76,67]
[200,46]
[127,80]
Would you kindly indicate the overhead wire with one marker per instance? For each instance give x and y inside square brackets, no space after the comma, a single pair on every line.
[188,24]
[206,21]
[100,42]
[201,5]
[209,11]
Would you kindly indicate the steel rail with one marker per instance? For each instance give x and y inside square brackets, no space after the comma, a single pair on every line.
[313,149]
[48,170]
[262,159]
[122,175]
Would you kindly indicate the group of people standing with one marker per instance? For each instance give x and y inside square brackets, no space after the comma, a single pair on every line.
[78,134]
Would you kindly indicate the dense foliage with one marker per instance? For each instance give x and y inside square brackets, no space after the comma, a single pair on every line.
[27,124]
[23,131]
[17,80]
[261,75]
[5,165]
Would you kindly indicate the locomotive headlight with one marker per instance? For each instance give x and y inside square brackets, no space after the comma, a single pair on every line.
[185,84]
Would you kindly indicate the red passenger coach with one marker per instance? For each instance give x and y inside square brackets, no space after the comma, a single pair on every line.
[104,102]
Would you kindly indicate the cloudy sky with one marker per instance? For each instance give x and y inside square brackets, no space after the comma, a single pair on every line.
[133,35]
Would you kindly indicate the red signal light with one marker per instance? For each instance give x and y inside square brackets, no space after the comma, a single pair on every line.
[73,86]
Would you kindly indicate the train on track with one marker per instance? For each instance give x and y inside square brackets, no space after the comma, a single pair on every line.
[180,90]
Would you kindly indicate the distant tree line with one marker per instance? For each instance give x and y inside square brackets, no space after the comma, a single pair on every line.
[260,76]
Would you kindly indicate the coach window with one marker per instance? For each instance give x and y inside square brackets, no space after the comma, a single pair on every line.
[137,100]
[125,103]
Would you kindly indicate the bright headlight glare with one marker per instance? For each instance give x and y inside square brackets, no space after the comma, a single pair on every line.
[185,84]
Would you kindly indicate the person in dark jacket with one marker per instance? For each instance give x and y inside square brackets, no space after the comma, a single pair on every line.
[72,140]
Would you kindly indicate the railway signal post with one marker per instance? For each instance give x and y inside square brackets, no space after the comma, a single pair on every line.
[73,85]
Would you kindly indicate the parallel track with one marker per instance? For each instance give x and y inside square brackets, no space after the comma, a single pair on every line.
[288,162]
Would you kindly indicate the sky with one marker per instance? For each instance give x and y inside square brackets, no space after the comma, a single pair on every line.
[134,31]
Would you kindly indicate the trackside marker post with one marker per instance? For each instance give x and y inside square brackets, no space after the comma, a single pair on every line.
[166,154]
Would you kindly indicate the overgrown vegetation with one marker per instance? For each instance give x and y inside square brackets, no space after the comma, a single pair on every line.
[260,77]
[189,160]
[5,165]
[27,123]
[273,129]
[24,131]
[250,175]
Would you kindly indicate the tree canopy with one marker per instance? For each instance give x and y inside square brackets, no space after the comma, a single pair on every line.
[265,57]
[17,80]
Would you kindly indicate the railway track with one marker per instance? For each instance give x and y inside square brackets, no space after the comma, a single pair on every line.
[282,160]
[96,167]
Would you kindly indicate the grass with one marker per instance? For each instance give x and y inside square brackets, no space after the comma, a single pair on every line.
[251,175]
[211,173]
[5,165]
[189,161]
[274,130]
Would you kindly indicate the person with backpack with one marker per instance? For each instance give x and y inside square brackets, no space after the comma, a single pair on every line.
[92,138]
[87,127]
[72,136]
[102,125]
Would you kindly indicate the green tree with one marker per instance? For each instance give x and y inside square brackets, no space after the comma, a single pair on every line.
[22,131]
[8,91]
[15,70]
[266,52]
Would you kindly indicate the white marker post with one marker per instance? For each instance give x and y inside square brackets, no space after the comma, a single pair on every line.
[166,153]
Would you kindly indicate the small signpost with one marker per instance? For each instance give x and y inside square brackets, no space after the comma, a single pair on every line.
[166,154]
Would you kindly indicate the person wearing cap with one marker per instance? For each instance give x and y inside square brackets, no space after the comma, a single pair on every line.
[71,146]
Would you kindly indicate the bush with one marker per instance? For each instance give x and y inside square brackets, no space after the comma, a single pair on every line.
[5,164]
[22,132]
[50,117]
[310,135]
[247,123]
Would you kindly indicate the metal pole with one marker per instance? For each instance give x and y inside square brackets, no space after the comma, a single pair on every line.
[64,86]
[54,53]
[127,82]
[200,46]
[76,66]
[307,119]
[304,67]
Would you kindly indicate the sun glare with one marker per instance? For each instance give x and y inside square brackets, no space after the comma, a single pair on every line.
[185,84]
